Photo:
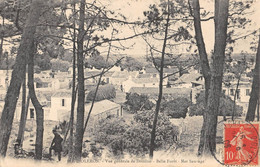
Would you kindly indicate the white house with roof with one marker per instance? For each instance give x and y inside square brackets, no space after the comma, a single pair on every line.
[107,77]
[118,77]
[242,96]
[31,115]
[102,110]
[141,81]
[173,72]
[51,83]
[185,81]
[44,74]
[92,75]
[60,105]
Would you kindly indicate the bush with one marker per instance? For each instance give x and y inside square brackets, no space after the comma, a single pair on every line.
[117,146]
[95,151]
[137,140]
[131,64]
[59,65]
[164,129]
[104,92]
[135,102]
[109,132]
[115,133]
[96,61]
[109,129]
[225,106]
[176,108]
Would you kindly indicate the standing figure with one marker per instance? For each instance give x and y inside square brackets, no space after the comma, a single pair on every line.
[56,144]
[238,142]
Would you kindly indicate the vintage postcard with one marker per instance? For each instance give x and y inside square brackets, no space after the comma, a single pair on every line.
[129,83]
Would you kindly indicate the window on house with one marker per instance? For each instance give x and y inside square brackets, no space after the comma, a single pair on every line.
[31,113]
[62,102]
[238,94]
[247,92]
[143,85]
[232,92]
[38,85]
[224,91]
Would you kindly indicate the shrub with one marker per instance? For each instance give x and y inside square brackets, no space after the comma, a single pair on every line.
[59,65]
[225,106]
[115,133]
[137,140]
[117,146]
[176,108]
[135,102]
[95,151]
[164,129]
[109,129]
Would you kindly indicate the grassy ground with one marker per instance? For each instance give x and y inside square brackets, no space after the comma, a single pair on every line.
[187,144]
[30,136]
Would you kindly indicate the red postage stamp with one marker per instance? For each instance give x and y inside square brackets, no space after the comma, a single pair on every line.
[241,144]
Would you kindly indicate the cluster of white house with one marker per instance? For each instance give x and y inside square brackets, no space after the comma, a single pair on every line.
[54,93]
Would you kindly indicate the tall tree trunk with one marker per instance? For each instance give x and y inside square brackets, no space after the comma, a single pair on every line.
[204,63]
[23,117]
[37,106]
[81,91]
[17,74]
[71,143]
[71,126]
[255,91]
[211,114]
[158,103]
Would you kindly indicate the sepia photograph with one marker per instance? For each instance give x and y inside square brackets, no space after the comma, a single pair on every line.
[171,83]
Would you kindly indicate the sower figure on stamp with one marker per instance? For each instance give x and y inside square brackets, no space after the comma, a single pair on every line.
[56,144]
[238,141]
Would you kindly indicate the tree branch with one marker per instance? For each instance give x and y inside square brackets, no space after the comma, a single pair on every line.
[180,70]
[116,39]
[99,81]
[246,35]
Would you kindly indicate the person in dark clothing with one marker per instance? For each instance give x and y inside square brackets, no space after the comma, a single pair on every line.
[56,144]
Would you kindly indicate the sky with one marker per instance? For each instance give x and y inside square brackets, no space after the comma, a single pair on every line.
[133,9]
